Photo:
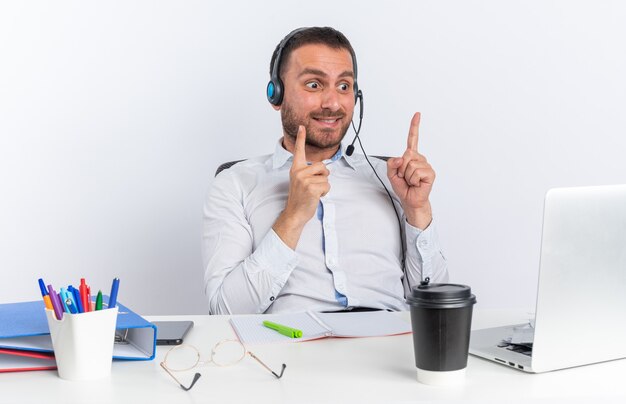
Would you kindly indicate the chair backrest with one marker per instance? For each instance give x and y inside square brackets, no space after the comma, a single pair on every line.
[226,165]
[229,164]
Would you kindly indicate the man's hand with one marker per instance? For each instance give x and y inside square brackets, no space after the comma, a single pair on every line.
[412,179]
[307,184]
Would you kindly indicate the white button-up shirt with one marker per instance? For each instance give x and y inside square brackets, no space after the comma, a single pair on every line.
[349,253]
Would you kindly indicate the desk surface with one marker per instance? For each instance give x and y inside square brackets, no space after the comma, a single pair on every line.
[334,370]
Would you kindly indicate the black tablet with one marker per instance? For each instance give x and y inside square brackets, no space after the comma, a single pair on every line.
[172,332]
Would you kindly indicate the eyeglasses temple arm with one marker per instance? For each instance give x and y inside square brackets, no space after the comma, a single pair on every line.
[267,367]
[195,378]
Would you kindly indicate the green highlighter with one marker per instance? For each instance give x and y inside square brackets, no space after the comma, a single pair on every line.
[283,329]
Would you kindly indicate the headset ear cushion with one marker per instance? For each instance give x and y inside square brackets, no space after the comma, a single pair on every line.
[270,90]
[275,92]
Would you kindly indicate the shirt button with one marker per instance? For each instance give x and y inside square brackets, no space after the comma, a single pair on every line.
[271,298]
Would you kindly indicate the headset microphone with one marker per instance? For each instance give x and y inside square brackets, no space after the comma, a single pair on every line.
[350,148]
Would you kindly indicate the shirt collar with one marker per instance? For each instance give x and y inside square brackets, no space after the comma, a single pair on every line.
[282,156]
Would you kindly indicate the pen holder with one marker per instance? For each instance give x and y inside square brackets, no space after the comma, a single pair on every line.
[83,343]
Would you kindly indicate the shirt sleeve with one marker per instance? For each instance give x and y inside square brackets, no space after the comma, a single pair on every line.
[238,278]
[424,258]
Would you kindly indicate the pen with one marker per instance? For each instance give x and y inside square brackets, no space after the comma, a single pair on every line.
[44,294]
[99,300]
[89,302]
[63,294]
[76,294]
[82,288]
[283,329]
[114,288]
[69,301]
[58,311]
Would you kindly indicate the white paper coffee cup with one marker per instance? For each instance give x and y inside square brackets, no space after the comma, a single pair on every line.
[441,378]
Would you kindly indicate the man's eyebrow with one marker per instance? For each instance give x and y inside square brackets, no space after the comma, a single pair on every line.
[347,73]
[316,72]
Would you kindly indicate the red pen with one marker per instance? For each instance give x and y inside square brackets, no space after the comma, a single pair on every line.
[89,298]
[84,292]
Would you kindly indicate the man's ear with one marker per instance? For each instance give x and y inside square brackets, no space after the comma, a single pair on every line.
[276,107]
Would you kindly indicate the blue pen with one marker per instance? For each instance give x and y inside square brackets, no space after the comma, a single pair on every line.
[71,290]
[70,302]
[113,297]
[77,300]
[63,294]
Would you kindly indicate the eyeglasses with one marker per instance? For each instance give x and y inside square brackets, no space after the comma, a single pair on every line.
[225,353]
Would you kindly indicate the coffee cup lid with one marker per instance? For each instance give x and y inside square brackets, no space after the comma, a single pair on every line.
[441,295]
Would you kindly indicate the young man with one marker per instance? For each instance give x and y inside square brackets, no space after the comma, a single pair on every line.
[309,227]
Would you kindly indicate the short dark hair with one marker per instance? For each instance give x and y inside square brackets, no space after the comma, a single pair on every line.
[313,35]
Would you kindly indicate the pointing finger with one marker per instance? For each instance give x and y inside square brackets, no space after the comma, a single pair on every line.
[299,153]
[413,138]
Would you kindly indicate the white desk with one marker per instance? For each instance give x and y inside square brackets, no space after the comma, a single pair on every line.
[329,370]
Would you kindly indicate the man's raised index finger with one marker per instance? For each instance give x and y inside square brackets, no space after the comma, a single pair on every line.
[413,138]
[299,153]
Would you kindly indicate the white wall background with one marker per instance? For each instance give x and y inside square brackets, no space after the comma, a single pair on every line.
[114,116]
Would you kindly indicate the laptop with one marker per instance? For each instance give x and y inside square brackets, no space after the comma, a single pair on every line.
[580,315]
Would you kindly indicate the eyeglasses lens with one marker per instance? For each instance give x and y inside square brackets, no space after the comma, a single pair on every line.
[228,353]
[182,357]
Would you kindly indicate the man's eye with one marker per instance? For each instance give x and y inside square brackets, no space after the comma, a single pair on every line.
[313,85]
[344,87]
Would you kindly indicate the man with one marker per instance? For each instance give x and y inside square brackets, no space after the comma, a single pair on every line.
[309,227]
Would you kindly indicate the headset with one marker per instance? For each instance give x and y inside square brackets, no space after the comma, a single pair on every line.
[275,87]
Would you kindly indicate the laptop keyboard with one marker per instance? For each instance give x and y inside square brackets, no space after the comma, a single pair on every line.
[524,349]
[521,339]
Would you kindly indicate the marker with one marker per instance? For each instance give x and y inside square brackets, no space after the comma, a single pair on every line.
[99,300]
[44,294]
[58,311]
[283,329]
[114,288]
[57,297]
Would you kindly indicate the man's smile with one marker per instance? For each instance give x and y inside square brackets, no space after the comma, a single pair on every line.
[328,121]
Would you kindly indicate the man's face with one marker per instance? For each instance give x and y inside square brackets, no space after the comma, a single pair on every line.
[318,93]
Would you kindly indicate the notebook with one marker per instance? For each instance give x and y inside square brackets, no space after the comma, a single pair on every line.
[581,296]
[250,329]
[12,360]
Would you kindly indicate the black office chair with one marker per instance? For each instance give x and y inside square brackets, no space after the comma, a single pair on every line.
[229,164]
[226,165]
